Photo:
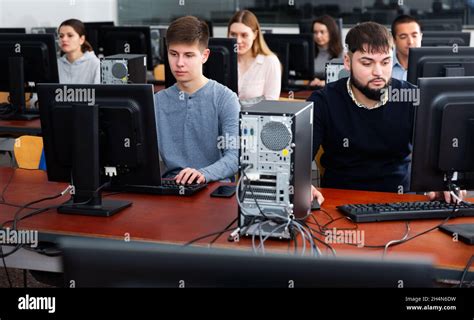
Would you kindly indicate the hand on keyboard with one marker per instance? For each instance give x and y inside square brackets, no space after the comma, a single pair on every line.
[446,196]
[190,175]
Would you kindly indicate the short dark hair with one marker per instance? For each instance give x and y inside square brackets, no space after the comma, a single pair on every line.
[403,19]
[188,30]
[374,35]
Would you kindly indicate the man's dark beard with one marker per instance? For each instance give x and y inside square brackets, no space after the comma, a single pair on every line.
[372,94]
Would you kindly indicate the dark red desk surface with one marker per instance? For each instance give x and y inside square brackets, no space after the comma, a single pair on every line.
[300,95]
[173,219]
[20,127]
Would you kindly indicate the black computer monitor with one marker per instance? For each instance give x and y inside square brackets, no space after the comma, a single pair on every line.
[443,139]
[12,30]
[440,62]
[133,40]
[93,33]
[89,128]
[210,25]
[221,65]
[441,24]
[445,38]
[25,60]
[95,262]
[157,34]
[296,52]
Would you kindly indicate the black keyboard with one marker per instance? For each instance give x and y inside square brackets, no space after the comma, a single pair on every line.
[372,212]
[168,187]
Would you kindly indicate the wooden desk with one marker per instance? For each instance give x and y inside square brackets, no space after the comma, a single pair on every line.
[296,95]
[172,219]
[18,128]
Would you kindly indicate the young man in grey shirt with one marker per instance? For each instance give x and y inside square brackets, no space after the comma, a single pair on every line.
[197,118]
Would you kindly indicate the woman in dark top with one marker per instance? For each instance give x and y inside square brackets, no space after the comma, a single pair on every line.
[328,46]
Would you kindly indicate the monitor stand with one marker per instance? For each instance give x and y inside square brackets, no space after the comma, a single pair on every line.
[87,198]
[17,92]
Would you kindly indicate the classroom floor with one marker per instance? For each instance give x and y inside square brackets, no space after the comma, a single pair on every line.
[17,278]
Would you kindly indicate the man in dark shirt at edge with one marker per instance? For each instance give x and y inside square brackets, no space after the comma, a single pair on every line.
[363,127]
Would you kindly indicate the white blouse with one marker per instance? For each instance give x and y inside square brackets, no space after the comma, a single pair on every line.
[263,78]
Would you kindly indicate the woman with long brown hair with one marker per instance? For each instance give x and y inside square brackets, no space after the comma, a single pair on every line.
[259,67]
[328,46]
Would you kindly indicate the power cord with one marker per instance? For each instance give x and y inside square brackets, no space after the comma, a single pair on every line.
[2,196]
[466,269]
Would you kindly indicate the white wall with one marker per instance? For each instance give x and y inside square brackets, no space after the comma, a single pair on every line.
[50,13]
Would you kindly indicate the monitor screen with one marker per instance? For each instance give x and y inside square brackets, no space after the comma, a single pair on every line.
[446,38]
[25,60]
[128,40]
[441,24]
[296,53]
[440,62]
[12,30]
[443,139]
[90,131]
[94,262]
[39,58]
[93,34]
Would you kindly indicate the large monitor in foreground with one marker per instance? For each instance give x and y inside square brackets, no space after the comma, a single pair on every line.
[443,140]
[96,135]
[94,262]
[25,60]
[440,62]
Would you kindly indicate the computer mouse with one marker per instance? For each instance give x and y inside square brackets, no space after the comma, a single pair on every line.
[315,205]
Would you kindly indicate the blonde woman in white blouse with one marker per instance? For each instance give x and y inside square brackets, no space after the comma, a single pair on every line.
[259,68]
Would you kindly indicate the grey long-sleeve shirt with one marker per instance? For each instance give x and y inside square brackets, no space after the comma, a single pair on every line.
[199,131]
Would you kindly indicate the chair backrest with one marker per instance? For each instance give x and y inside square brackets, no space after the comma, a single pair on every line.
[28,151]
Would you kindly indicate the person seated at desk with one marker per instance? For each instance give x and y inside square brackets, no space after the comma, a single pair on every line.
[406,32]
[259,68]
[78,64]
[328,46]
[197,118]
[365,135]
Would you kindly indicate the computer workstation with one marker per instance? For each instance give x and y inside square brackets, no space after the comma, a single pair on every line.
[102,136]
[443,154]
[26,59]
